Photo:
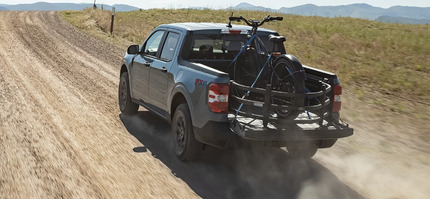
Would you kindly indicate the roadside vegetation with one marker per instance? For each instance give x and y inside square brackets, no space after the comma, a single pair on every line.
[383,64]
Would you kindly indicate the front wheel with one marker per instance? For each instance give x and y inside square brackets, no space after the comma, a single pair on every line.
[124,98]
[187,148]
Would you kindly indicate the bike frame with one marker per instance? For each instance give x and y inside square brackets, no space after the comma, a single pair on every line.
[254,36]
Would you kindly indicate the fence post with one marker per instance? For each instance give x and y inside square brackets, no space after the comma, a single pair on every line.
[113,17]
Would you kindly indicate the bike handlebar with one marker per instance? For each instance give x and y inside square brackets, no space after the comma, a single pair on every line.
[255,23]
[276,18]
[235,18]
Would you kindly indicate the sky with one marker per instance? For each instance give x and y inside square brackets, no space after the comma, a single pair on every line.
[219,4]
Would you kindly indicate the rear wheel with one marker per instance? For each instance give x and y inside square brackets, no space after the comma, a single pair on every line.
[124,98]
[327,143]
[187,148]
[288,77]
[302,149]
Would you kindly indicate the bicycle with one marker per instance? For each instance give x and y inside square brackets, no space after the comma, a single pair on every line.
[285,75]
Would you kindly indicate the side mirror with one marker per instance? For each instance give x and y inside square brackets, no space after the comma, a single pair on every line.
[133,49]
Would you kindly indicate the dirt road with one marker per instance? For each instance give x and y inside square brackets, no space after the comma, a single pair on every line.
[62,135]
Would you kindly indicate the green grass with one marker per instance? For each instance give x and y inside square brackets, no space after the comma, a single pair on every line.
[368,56]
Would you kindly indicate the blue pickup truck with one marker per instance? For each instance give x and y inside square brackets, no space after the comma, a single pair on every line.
[200,78]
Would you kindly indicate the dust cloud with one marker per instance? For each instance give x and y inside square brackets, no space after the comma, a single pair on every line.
[247,172]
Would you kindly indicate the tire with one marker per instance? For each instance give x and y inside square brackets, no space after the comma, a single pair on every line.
[126,106]
[187,148]
[327,143]
[302,149]
[288,76]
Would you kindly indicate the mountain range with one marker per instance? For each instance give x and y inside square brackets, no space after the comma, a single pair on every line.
[395,14]
[403,20]
[43,6]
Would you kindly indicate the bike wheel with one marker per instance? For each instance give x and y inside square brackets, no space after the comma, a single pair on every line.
[288,76]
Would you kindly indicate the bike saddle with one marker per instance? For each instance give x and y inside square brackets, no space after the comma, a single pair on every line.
[276,39]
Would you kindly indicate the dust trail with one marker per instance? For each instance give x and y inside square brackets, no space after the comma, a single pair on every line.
[249,172]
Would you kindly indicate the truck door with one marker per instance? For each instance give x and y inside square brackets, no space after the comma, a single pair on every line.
[141,66]
[160,71]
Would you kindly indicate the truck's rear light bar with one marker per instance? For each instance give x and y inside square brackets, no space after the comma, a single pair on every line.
[218,97]
[337,103]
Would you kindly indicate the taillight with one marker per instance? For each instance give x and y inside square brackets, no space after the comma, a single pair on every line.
[337,92]
[218,97]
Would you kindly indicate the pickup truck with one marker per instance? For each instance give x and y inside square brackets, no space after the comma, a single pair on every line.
[182,74]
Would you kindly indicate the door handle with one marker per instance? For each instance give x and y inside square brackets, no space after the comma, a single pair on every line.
[163,69]
[146,64]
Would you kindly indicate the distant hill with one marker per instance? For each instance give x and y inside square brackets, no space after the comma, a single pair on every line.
[402,20]
[43,6]
[248,6]
[405,11]
[120,7]
[354,10]
[361,10]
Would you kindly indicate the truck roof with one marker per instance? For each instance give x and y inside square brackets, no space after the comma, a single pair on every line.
[210,26]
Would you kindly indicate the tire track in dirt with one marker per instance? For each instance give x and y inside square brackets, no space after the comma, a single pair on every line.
[26,79]
[60,131]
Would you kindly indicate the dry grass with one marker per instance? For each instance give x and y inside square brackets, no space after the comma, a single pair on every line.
[384,64]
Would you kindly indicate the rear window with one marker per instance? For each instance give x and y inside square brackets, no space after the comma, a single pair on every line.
[217,46]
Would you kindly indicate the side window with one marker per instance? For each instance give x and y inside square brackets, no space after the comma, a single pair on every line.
[169,46]
[151,46]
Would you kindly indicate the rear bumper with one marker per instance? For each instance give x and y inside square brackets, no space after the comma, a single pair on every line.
[322,133]
[217,134]
[224,134]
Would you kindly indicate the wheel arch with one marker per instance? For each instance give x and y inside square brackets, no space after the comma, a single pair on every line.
[178,97]
[123,69]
